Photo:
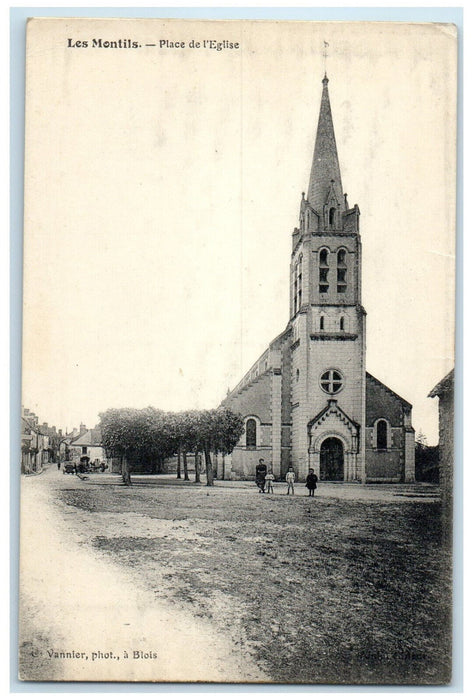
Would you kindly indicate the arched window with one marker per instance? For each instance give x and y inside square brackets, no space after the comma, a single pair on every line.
[298,284]
[251,432]
[382,435]
[322,323]
[323,271]
[342,323]
[331,216]
[341,271]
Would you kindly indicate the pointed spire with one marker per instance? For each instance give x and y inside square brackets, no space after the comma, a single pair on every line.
[325,177]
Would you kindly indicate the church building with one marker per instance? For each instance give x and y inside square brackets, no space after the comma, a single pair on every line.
[308,401]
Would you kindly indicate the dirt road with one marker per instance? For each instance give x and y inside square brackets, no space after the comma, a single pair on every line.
[82,615]
[167,580]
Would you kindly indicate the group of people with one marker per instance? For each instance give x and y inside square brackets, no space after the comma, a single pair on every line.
[265,477]
[85,464]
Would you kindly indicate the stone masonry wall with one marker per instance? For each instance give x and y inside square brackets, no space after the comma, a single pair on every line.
[388,465]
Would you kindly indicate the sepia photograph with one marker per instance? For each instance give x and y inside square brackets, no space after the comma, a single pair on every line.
[237,419]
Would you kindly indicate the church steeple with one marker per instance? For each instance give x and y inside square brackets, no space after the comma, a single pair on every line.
[325,185]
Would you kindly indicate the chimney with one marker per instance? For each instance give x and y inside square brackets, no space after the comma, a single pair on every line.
[83,429]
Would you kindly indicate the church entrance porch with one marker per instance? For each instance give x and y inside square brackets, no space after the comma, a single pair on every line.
[331,460]
[333,445]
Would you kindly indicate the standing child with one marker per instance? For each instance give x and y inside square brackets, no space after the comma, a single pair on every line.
[311,482]
[269,481]
[290,478]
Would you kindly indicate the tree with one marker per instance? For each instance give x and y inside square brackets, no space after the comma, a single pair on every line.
[206,428]
[421,438]
[119,428]
[426,460]
[230,428]
[163,434]
[218,431]
[149,435]
[188,439]
[184,466]
[175,437]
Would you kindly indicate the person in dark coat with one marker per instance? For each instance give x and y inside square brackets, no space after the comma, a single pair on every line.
[311,482]
[261,470]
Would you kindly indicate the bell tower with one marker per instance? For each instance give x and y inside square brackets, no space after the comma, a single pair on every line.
[328,321]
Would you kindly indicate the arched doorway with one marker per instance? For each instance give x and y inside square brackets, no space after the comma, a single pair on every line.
[331,460]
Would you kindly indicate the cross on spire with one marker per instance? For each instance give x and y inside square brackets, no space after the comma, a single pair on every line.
[325,54]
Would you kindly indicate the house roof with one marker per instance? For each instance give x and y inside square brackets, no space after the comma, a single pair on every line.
[445,386]
[91,438]
[34,428]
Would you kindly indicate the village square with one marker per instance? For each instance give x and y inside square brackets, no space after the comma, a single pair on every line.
[296,533]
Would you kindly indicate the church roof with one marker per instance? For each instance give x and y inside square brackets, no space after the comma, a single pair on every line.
[325,180]
[386,388]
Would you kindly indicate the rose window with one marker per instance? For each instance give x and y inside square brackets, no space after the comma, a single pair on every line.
[331,381]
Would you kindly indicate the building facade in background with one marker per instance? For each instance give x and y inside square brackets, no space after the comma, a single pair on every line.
[38,442]
[444,390]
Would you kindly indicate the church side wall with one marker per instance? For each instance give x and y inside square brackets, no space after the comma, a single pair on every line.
[276,406]
[299,382]
[380,403]
[286,414]
[385,465]
[253,400]
[389,464]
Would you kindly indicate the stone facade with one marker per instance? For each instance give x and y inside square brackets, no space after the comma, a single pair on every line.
[308,401]
[390,447]
[445,392]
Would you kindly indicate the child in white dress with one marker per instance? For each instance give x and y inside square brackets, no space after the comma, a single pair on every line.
[290,478]
[269,481]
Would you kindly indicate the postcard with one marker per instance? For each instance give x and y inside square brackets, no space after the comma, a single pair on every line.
[238,352]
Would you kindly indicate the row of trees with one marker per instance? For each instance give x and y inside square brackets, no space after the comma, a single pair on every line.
[147,436]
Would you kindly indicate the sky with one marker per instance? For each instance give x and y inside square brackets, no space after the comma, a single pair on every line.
[162,186]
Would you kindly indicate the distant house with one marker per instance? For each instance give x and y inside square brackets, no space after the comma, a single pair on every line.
[444,390]
[30,462]
[89,443]
[35,443]
[65,450]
